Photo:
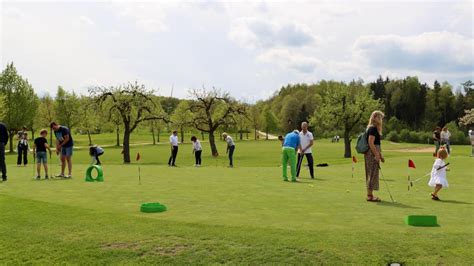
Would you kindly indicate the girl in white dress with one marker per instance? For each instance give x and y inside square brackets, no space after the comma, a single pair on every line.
[438,174]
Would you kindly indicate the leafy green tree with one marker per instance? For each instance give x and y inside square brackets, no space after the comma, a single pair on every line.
[269,122]
[346,108]
[182,118]
[254,115]
[46,114]
[133,103]
[213,109]
[19,101]
[67,108]
[88,116]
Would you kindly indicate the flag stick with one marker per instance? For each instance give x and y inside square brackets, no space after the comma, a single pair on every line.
[139,176]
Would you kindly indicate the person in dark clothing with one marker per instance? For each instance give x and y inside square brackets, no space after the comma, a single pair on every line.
[3,143]
[174,149]
[437,140]
[23,148]
[95,151]
[40,147]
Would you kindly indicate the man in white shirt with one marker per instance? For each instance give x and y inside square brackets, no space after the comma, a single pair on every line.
[230,148]
[174,149]
[306,140]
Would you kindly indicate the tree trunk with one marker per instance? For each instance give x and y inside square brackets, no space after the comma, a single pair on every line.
[126,144]
[266,134]
[241,134]
[212,142]
[153,134]
[347,145]
[182,135]
[255,133]
[12,133]
[158,135]
[118,136]
[89,135]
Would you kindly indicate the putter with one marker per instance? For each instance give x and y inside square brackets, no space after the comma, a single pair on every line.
[34,164]
[427,174]
[300,161]
[388,189]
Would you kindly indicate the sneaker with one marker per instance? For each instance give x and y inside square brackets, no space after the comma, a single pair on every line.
[68,177]
[38,177]
[60,176]
[46,177]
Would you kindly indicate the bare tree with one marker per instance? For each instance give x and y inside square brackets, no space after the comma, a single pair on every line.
[133,103]
[212,109]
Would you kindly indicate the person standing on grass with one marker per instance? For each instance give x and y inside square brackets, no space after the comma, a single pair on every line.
[174,149]
[437,140]
[471,137]
[39,151]
[438,178]
[445,135]
[197,150]
[64,146]
[291,143]
[373,156]
[3,143]
[230,148]
[306,140]
[22,147]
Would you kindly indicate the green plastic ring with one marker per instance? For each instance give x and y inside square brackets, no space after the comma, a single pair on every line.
[150,207]
[100,174]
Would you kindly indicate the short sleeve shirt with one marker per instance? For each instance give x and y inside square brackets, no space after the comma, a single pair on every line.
[305,139]
[292,140]
[63,131]
[174,140]
[230,141]
[40,144]
[372,131]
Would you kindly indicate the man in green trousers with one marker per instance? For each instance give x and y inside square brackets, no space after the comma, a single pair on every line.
[290,145]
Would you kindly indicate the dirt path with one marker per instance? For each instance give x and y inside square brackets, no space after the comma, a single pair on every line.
[270,136]
[415,150]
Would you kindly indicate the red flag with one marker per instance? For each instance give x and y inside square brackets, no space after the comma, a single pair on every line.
[138,156]
[411,164]
[354,160]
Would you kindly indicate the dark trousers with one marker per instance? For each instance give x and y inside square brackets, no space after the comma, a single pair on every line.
[22,154]
[231,155]
[174,153]
[96,155]
[3,166]
[309,158]
[197,155]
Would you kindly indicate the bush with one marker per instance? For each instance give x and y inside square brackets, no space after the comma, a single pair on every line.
[393,136]
[404,135]
[414,137]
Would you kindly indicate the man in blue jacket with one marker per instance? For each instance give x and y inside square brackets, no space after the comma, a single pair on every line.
[3,143]
[291,143]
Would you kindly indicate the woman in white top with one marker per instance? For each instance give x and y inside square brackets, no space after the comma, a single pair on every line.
[445,135]
[438,178]
[197,150]
[230,148]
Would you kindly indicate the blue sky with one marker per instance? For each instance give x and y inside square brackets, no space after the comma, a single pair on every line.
[249,48]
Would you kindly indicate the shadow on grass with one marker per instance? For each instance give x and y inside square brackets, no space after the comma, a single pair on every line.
[455,202]
[396,204]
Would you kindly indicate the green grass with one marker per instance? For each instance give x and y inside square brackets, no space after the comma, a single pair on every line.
[241,215]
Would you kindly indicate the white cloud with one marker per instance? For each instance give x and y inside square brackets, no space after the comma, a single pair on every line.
[290,60]
[431,51]
[86,21]
[255,32]
[149,17]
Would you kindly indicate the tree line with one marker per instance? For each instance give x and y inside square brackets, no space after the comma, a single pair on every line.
[331,107]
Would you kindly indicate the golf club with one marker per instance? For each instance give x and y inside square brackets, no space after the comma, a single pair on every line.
[427,174]
[388,189]
[34,164]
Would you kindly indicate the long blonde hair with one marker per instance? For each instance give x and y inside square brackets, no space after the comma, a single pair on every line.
[376,120]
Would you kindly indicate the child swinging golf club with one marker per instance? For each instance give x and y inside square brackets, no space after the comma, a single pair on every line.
[438,178]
